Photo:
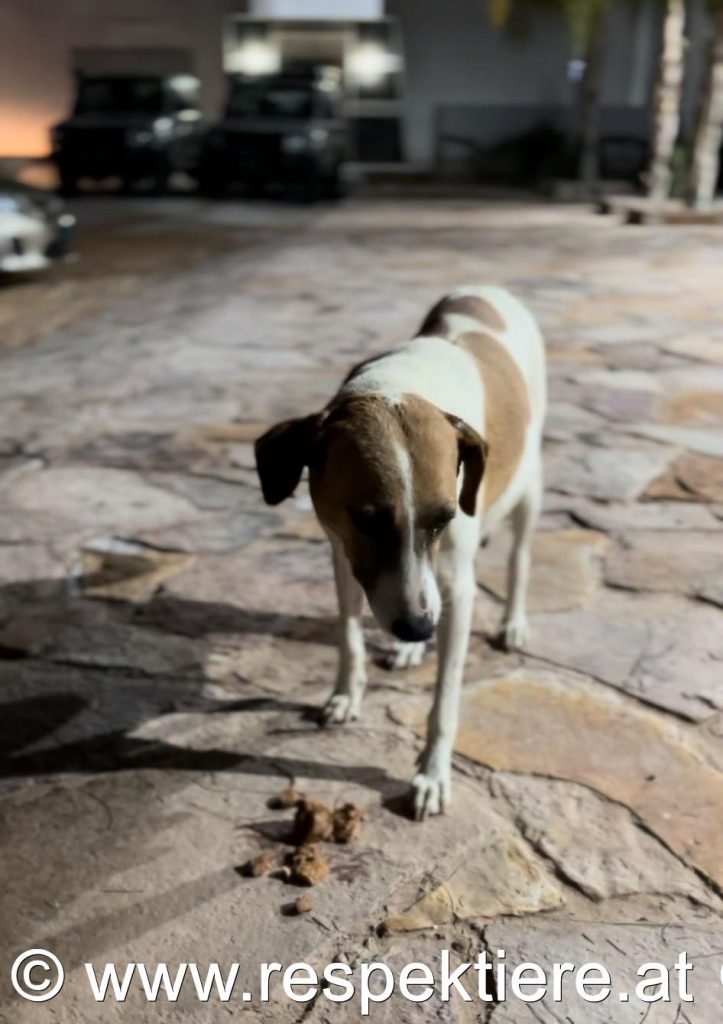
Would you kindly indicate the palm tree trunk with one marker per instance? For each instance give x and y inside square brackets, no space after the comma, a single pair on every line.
[668,92]
[709,129]
[589,169]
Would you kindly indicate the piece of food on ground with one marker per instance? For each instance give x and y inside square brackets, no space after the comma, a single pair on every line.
[313,823]
[264,864]
[307,866]
[347,823]
[303,904]
[287,798]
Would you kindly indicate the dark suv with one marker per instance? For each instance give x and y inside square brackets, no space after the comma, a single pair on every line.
[281,130]
[129,126]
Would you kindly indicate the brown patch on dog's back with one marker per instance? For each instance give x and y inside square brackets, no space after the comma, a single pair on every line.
[464,305]
[507,411]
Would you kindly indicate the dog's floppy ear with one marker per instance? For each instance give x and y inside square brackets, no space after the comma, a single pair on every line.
[472,458]
[281,454]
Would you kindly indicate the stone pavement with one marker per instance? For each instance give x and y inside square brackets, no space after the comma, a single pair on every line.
[165,639]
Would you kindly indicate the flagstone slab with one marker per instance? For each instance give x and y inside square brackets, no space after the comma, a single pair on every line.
[596,844]
[695,407]
[652,560]
[21,563]
[80,634]
[565,421]
[126,571]
[610,474]
[703,441]
[663,515]
[279,575]
[499,876]
[567,567]
[622,405]
[690,477]
[560,726]
[661,648]
[704,347]
[112,499]
[711,591]
[212,533]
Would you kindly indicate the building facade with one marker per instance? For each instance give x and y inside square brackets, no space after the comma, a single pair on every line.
[460,81]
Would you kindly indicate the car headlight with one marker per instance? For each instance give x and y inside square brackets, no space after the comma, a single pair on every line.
[294,143]
[18,204]
[163,127]
[8,204]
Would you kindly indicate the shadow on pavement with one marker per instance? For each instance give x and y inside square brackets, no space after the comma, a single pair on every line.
[49,635]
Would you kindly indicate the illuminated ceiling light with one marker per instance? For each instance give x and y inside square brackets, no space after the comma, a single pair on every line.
[368,64]
[255,58]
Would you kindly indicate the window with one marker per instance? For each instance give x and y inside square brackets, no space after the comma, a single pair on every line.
[120,96]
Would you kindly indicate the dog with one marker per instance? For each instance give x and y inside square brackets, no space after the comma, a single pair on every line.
[421,453]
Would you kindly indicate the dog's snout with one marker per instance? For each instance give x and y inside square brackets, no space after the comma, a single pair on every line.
[413,628]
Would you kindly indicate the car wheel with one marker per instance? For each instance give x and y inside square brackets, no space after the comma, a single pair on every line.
[213,186]
[159,185]
[334,184]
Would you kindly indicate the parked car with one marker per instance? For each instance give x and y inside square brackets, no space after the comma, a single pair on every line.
[281,130]
[36,229]
[129,126]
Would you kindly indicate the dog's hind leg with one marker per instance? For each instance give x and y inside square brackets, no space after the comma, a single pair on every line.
[432,786]
[345,702]
[515,627]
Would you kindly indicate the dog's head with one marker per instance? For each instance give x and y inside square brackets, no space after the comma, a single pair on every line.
[384,481]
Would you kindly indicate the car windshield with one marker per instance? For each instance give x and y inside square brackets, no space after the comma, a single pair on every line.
[120,96]
[282,100]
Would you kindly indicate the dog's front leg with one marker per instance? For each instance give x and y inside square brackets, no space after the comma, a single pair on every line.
[432,786]
[345,702]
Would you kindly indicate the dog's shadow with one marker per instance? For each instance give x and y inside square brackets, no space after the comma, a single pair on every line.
[61,713]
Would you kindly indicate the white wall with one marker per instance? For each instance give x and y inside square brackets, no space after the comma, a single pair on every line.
[456,56]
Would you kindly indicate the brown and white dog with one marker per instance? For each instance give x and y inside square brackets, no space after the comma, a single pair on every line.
[419,455]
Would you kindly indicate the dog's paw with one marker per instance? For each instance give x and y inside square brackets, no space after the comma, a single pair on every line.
[340,708]
[405,655]
[431,794]
[515,633]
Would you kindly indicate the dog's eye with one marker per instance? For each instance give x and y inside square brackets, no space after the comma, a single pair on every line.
[369,519]
[435,527]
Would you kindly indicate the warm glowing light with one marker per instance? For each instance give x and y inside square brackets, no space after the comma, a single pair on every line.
[25,132]
[255,58]
[368,64]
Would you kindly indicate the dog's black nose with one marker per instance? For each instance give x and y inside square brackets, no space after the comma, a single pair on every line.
[413,629]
